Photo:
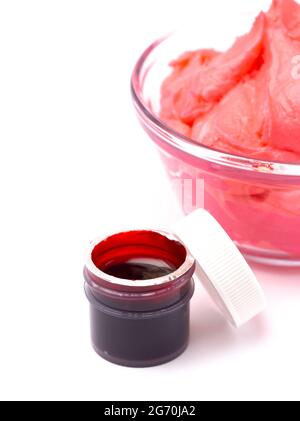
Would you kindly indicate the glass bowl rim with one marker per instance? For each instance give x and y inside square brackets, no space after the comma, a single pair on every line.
[187,145]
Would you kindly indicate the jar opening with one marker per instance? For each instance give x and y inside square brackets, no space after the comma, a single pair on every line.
[138,255]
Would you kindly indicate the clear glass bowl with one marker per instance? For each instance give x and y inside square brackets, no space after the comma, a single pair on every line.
[257,202]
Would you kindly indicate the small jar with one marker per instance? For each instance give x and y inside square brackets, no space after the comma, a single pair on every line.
[139,285]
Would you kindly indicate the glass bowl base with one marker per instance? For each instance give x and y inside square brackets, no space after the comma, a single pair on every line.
[269,258]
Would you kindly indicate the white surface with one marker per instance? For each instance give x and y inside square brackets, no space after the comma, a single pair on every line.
[75,163]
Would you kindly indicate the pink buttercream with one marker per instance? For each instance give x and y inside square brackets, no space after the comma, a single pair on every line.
[246,100]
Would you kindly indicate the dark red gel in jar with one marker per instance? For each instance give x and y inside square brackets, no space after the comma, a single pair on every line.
[139,284]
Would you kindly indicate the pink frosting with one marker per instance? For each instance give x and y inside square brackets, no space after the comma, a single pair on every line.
[245,100]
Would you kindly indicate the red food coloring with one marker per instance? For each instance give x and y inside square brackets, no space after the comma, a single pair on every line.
[138,255]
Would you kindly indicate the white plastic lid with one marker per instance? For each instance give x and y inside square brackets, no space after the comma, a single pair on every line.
[221,268]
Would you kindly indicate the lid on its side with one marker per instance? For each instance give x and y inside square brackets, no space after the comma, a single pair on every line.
[221,268]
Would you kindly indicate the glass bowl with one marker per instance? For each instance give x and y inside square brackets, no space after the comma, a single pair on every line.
[257,202]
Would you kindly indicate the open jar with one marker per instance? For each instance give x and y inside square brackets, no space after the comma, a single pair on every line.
[139,285]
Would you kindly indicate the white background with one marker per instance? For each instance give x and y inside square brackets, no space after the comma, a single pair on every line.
[73,164]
